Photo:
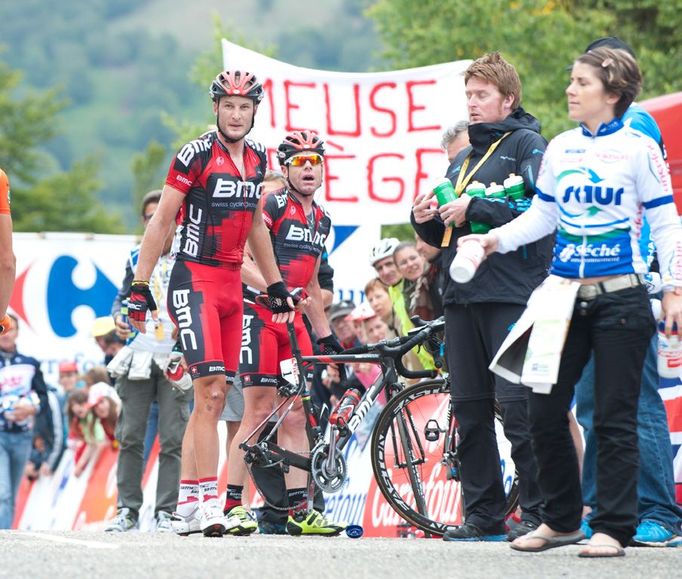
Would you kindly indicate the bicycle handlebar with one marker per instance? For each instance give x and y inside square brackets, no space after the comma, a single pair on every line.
[396,348]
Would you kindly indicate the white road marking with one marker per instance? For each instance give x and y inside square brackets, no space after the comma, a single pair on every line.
[67,541]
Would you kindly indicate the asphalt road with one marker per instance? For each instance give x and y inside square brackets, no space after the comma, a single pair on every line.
[96,554]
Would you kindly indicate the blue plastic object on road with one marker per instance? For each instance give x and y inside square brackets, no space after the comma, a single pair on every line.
[354,531]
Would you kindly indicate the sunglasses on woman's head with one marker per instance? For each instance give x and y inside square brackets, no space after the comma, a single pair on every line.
[300,160]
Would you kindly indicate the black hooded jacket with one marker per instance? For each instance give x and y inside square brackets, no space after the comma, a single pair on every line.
[503,278]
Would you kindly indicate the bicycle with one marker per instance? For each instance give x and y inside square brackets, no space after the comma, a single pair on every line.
[326,463]
[417,468]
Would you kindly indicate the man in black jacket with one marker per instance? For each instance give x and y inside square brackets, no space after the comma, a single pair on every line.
[479,314]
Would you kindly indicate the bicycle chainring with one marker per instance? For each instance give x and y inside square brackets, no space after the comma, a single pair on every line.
[330,480]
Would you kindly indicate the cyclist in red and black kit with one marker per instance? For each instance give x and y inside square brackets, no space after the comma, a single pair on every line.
[298,229]
[213,192]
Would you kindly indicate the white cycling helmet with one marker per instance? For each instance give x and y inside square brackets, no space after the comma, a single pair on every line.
[382,249]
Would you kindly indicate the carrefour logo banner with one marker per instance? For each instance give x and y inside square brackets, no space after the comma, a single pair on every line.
[64,281]
[382,129]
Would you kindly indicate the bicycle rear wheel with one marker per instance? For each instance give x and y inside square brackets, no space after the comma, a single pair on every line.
[413,466]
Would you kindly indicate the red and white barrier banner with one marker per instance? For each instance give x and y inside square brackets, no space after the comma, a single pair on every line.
[382,129]
[64,502]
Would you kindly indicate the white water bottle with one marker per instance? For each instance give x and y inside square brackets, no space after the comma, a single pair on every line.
[469,256]
[669,354]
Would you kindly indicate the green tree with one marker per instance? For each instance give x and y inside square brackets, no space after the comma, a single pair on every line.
[147,170]
[64,202]
[42,198]
[540,37]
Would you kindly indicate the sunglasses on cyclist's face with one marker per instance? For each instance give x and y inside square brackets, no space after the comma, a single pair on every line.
[300,160]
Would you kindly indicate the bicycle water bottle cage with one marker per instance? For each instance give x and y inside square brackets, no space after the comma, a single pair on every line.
[432,431]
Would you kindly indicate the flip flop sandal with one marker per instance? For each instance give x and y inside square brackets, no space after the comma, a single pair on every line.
[549,542]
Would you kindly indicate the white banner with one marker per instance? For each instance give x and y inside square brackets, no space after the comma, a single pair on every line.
[66,280]
[382,129]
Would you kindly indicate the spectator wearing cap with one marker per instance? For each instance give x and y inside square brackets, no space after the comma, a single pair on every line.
[104,332]
[341,324]
[68,376]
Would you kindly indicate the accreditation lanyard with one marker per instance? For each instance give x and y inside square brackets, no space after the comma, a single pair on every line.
[463,180]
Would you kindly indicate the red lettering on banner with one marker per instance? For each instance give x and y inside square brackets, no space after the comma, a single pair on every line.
[327,100]
[273,161]
[419,174]
[267,87]
[289,105]
[412,107]
[329,177]
[379,109]
[370,179]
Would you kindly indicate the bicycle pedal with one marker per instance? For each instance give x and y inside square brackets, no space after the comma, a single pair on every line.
[432,431]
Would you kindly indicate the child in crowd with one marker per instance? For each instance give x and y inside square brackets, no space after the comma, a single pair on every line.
[86,436]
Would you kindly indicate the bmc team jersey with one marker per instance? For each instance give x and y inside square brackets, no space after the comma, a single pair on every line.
[298,242]
[594,189]
[4,193]
[218,210]
[297,239]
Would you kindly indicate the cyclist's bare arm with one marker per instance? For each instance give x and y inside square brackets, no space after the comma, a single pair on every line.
[315,308]
[261,248]
[251,275]
[7,262]
[155,237]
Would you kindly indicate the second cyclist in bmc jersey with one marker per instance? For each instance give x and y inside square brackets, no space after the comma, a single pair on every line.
[298,241]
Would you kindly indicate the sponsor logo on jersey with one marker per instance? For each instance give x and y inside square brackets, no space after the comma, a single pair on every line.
[594,194]
[234,188]
[610,156]
[183,179]
[298,233]
[281,200]
[192,230]
[589,250]
[246,353]
[183,314]
[187,153]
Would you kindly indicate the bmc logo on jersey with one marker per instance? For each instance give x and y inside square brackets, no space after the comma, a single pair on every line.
[594,194]
[297,233]
[589,251]
[232,188]
[187,153]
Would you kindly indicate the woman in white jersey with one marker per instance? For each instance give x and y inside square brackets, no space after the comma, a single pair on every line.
[595,183]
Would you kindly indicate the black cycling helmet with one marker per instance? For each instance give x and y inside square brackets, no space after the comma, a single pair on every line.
[237,83]
[298,141]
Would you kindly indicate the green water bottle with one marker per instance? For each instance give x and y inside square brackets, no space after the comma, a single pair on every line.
[477,189]
[514,187]
[444,192]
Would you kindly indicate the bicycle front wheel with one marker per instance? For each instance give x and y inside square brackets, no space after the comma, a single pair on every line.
[410,457]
